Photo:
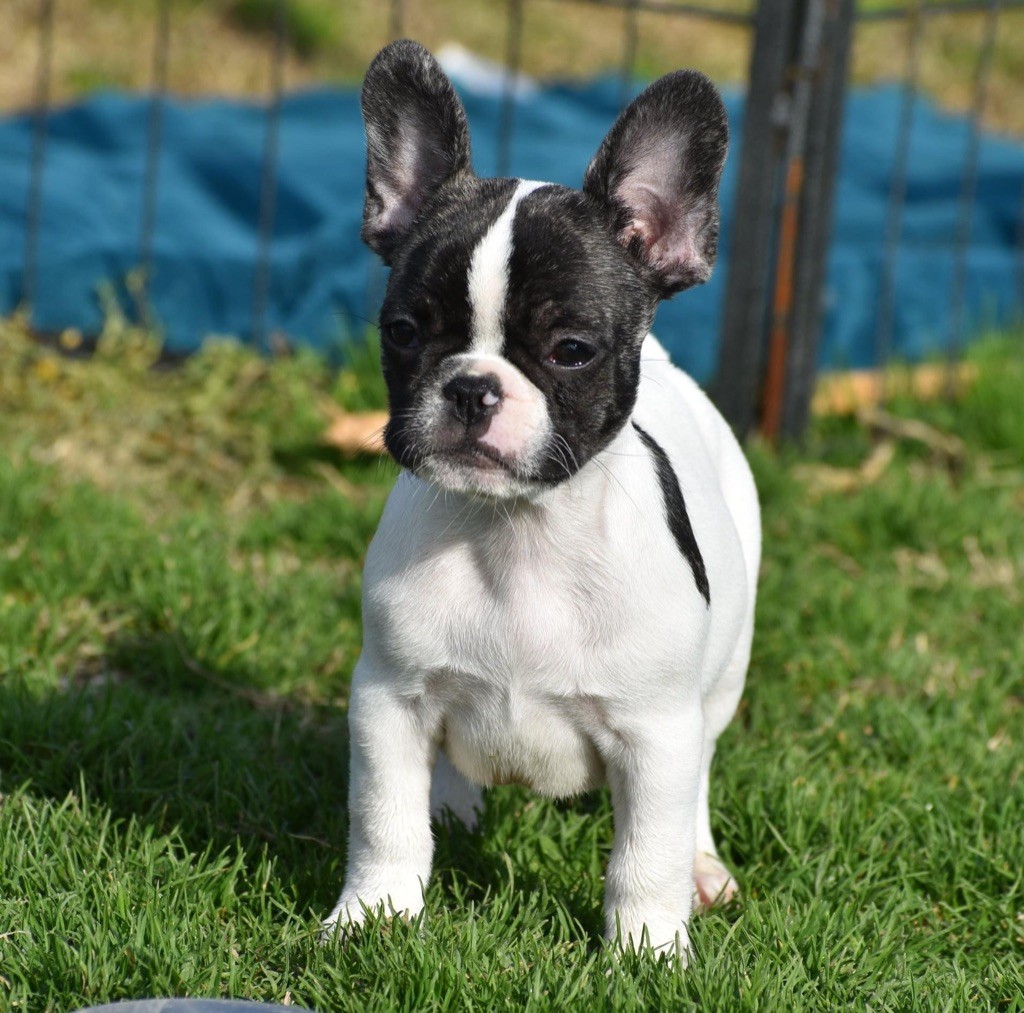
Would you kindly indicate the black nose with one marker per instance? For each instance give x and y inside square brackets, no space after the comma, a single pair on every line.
[472,397]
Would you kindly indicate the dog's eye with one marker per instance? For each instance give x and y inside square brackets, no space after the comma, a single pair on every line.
[402,334]
[571,353]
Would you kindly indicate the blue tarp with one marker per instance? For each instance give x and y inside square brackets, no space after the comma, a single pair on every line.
[322,282]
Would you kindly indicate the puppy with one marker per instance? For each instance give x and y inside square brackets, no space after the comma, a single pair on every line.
[561,590]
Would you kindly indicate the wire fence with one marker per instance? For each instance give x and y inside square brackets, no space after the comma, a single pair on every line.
[915,18]
[798,81]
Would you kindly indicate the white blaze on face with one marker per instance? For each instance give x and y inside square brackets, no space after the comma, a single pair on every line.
[488,276]
[519,431]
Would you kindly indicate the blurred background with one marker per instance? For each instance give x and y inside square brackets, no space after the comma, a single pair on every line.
[195,167]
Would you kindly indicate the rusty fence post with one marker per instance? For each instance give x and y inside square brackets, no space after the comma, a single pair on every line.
[823,134]
[782,228]
[741,352]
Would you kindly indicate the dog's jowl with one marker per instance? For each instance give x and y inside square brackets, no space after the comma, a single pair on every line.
[561,591]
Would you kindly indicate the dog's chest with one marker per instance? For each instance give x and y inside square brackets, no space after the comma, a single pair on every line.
[512,610]
[513,645]
[523,638]
[527,651]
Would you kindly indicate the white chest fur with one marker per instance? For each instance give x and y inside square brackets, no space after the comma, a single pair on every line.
[513,630]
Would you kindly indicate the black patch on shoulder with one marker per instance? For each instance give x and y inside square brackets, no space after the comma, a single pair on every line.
[675,513]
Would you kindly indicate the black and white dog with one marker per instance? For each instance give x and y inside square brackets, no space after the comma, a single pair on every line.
[561,590]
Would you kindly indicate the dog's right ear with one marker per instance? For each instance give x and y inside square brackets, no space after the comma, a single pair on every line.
[416,140]
[658,171]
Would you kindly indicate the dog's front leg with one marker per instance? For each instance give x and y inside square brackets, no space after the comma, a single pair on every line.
[653,768]
[390,844]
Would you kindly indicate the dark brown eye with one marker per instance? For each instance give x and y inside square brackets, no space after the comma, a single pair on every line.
[402,334]
[571,353]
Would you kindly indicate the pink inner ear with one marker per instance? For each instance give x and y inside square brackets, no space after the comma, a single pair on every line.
[403,168]
[398,190]
[665,219]
[667,236]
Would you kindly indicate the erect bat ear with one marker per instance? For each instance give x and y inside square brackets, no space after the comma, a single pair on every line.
[416,140]
[658,170]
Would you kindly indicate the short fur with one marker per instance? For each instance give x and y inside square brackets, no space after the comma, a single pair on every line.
[675,513]
[561,590]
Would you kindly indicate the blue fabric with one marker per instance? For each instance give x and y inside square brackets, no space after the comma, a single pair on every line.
[323,283]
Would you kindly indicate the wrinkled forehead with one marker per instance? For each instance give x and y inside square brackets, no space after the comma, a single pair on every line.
[490,245]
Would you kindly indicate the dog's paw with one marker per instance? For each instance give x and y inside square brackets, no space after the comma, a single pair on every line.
[344,919]
[713,883]
[351,913]
[660,938]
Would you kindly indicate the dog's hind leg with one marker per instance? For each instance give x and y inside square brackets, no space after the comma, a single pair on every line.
[714,884]
[451,794]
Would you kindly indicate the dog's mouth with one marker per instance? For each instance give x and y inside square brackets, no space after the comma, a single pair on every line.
[474,469]
[474,456]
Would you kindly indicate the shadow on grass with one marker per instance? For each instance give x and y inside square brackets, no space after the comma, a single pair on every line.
[204,753]
[209,757]
[499,860]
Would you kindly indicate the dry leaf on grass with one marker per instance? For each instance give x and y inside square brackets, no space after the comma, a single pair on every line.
[850,392]
[943,444]
[356,432]
[822,479]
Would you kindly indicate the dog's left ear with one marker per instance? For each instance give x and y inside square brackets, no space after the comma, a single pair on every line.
[417,139]
[658,170]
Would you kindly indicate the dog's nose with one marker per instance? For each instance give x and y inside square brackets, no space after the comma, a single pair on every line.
[472,397]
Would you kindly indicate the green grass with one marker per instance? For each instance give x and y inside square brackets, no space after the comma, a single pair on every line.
[179,607]
[311,27]
[88,79]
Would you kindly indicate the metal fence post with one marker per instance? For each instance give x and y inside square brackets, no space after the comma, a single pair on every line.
[738,376]
[268,182]
[780,237]
[41,123]
[151,168]
[968,192]
[790,220]
[510,82]
[821,156]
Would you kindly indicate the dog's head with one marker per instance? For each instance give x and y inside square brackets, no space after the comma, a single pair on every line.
[515,311]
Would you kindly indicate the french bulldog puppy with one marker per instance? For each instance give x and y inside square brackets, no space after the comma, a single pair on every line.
[561,590]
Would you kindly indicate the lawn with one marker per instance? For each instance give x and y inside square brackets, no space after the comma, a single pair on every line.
[223,47]
[179,617]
